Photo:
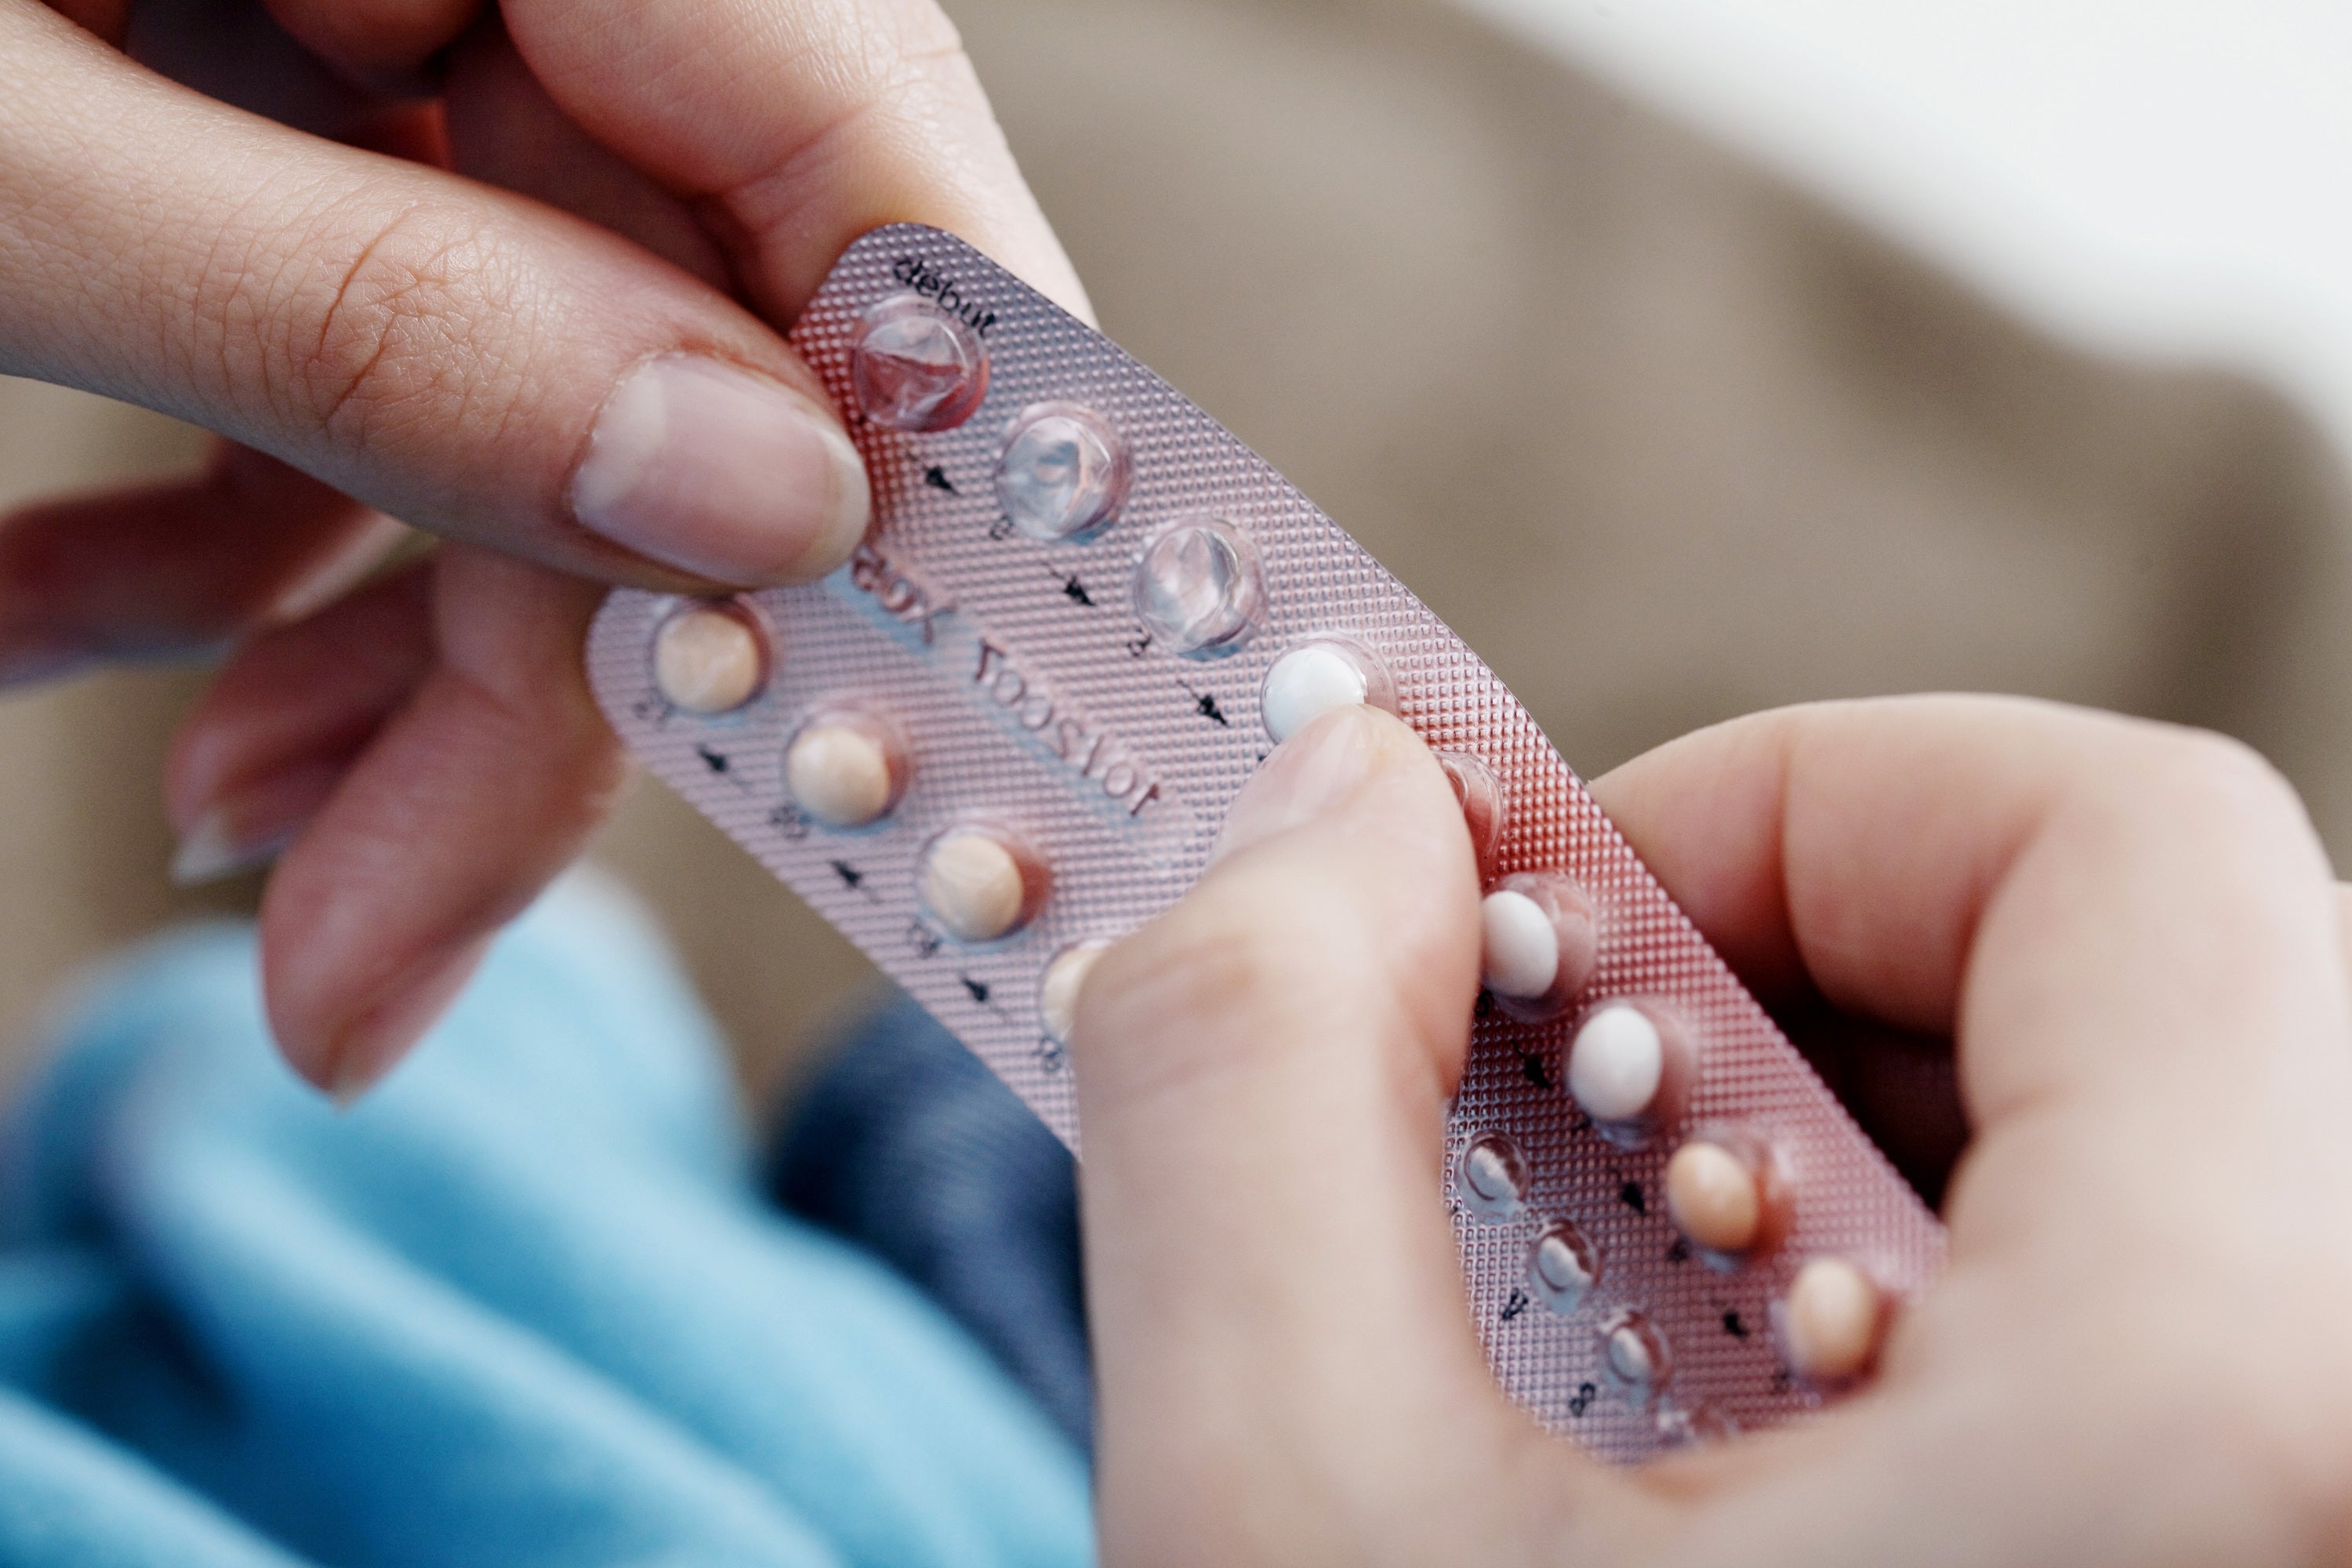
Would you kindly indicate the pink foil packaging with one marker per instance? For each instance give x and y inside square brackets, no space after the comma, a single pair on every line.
[1030,697]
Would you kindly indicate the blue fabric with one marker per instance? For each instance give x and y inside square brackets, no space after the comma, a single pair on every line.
[909,1145]
[521,1307]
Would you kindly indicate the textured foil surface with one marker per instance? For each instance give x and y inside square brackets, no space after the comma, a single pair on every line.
[903,629]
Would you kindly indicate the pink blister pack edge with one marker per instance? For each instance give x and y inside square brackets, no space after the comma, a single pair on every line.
[901,632]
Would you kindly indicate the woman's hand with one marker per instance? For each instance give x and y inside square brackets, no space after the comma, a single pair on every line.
[584,385]
[2138,1354]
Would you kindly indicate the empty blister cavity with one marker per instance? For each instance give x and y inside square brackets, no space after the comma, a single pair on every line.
[980,883]
[916,366]
[846,768]
[1315,677]
[708,659]
[1540,940]
[1057,990]
[1629,1067]
[1480,797]
[1197,589]
[1562,1268]
[1491,1177]
[1634,1356]
[1725,1194]
[1830,1320]
[1063,472]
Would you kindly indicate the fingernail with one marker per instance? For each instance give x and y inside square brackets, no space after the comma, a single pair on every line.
[374,1044]
[721,473]
[1305,777]
[253,825]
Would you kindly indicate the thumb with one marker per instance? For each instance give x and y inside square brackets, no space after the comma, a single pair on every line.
[1263,1075]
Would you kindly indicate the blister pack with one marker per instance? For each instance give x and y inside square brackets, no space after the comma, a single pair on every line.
[1006,734]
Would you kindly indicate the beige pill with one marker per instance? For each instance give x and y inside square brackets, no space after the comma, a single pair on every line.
[1712,1195]
[1057,992]
[972,884]
[707,661]
[1830,1320]
[840,774]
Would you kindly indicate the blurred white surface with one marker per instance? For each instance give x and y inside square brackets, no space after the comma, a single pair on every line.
[2150,177]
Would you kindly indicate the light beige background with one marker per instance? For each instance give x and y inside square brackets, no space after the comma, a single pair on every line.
[1665,441]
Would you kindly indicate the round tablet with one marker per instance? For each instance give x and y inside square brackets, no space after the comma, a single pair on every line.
[916,366]
[1617,1064]
[839,772]
[974,884]
[1713,1197]
[1562,1268]
[1522,946]
[1306,683]
[1057,989]
[708,660]
[1491,1177]
[1196,588]
[1633,1354]
[1829,1322]
[1063,472]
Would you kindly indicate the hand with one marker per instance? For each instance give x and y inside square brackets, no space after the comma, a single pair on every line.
[592,393]
[2131,939]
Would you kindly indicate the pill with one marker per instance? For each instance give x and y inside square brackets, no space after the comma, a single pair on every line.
[1562,1268]
[1057,990]
[1522,949]
[1197,589]
[1491,1177]
[1633,1354]
[1617,1064]
[842,773]
[708,660]
[1829,1322]
[975,885]
[916,366]
[1063,472]
[1713,1197]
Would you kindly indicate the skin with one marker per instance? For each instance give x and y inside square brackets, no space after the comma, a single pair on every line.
[396,252]
[2127,935]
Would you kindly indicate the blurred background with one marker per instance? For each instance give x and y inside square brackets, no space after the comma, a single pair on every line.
[1689,357]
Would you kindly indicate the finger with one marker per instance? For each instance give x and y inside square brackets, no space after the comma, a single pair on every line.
[460,358]
[274,734]
[378,41]
[461,809]
[799,124]
[1263,1074]
[180,566]
[2129,929]
[507,131]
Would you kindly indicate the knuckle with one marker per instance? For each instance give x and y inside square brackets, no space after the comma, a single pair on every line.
[383,325]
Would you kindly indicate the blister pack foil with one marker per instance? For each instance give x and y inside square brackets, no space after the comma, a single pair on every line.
[1025,692]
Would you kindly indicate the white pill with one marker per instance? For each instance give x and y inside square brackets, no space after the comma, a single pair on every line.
[1306,683]
[707,661]
[1636,1356]
[1057,990]
[1561,1267]
[1617,1063]
[1491,1178]
[1829,1323]
[840,774]
[1713,1197]
[1522,947]
[972,884]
